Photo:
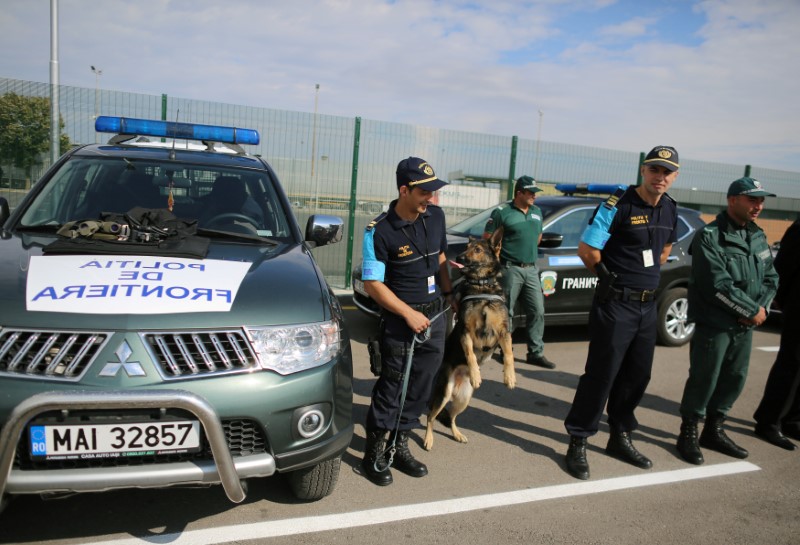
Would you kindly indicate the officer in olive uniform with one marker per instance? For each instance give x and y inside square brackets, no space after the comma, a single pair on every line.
[405,272]
[731,286]
[628,239]
[518,227]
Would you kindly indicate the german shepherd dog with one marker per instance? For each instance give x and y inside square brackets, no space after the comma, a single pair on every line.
[482,326]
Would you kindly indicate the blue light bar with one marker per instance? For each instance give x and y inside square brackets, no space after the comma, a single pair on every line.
[588,188]
[169,129]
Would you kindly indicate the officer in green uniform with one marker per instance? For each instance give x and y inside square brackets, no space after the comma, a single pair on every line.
[731,286]
[518,226]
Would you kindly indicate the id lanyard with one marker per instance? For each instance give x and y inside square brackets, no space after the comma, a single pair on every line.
[424,230]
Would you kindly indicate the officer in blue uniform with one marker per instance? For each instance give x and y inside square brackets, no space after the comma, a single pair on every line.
[405,272]
[627,240]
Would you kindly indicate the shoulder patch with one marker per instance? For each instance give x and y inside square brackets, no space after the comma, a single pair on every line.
[371,225]
[614,198]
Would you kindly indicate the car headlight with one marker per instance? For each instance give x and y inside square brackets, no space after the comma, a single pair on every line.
[290,349]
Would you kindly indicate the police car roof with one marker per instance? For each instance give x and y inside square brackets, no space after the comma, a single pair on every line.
[162,151]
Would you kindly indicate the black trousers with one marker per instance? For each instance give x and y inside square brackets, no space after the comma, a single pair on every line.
[385,406]
[621,346]
[780,403]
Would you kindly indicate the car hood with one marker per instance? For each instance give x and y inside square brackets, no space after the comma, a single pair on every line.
[258,285]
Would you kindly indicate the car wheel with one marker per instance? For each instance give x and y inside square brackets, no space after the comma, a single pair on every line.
[673,328]
[315,482]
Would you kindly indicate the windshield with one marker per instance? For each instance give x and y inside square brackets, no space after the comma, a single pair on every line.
[473,226]
[240,201]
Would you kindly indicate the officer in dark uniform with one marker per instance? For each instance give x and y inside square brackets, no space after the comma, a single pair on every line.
[627,240]
[405,272]
[784,377]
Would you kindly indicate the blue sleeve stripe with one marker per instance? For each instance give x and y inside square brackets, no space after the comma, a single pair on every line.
[598,232]
[371,268]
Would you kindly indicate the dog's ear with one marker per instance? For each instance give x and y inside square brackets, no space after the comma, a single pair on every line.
[496,241]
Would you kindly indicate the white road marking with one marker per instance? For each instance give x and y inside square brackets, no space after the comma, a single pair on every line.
[322,523]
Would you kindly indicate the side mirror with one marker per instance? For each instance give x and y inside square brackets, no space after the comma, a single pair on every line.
[322,230]
[551,240]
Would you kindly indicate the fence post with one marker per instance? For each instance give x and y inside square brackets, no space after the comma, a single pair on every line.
[639,169]
[353,190]
[747,171]
[512,167]
[163,110]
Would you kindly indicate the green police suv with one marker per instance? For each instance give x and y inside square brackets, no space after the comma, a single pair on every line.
[163,322]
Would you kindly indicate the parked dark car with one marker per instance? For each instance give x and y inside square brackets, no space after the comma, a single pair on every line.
[568,286]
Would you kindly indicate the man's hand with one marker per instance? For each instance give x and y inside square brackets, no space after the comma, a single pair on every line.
[756,320]
[417,321]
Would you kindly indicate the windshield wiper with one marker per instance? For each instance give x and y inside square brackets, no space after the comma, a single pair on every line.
[41,228]
[213,233]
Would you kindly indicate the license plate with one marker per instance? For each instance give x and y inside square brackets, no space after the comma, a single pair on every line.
[358,285]
[113,440]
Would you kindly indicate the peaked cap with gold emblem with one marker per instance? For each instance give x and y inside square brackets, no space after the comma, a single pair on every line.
[664,156]
[415,172]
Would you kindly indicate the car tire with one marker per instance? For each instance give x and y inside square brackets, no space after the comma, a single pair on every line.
[673,327]
[315,482]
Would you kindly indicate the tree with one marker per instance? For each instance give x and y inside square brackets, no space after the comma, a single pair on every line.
[25,131]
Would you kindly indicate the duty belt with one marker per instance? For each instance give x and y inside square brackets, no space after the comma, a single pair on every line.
[625,294]
[429,309]
[507,263]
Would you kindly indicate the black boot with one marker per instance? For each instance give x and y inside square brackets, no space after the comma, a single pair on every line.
[374,456]
[404,461]
[714,438]
[577,465]
[687,442]
[620,447]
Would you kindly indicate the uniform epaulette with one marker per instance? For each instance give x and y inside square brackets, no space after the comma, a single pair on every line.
[371,225]
[614,198]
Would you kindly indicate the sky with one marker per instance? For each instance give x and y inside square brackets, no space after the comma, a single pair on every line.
[717,79]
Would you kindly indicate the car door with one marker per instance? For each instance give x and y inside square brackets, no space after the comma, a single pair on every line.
[567,285]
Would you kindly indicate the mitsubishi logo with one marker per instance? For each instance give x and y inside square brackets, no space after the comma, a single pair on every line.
[132,368]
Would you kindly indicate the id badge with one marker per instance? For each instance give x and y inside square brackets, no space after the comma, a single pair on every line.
[431,285]
[647,258]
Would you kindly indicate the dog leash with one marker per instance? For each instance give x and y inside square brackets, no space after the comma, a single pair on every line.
[391,449]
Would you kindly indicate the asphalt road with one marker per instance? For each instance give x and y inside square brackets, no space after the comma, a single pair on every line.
[507,485]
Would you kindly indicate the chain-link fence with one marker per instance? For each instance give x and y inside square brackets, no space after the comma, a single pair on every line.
[343,166]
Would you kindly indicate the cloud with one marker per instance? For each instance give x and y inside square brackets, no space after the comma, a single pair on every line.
[724,90]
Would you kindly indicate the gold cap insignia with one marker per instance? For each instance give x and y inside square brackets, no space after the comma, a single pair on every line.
[664,154]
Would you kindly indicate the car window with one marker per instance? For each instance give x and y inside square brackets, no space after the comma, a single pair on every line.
[684,229]
[570,225]
[223,199]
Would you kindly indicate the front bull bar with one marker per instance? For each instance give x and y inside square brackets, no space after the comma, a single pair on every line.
[126,399]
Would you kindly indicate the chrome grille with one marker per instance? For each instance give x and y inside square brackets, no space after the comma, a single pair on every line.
[58,355]
[200,353]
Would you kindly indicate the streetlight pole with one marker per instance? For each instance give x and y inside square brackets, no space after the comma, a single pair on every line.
[97,73]
[538,141]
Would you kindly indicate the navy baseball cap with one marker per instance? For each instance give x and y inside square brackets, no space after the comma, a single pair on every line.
[748,187]
[665,156]
[526,183]
[416,172]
